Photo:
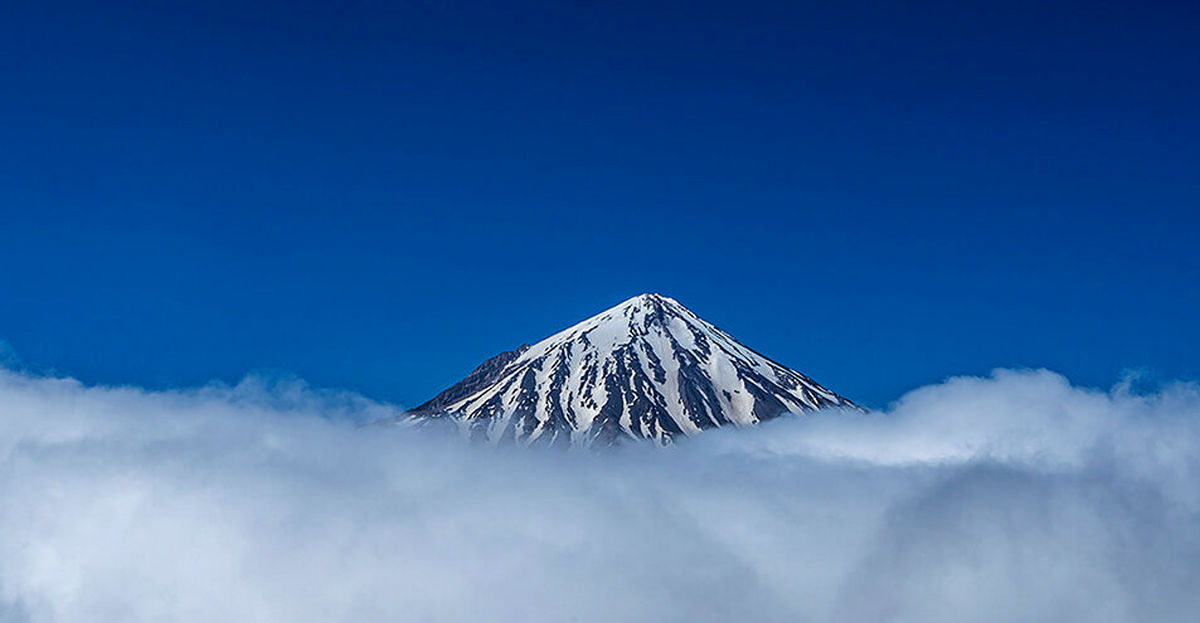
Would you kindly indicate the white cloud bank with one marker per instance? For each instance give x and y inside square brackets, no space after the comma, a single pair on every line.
[1011,498]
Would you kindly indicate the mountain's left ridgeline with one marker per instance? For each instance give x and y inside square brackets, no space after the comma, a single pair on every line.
[647,369]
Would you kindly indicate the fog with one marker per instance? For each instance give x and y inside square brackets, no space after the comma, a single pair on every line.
[1012,497]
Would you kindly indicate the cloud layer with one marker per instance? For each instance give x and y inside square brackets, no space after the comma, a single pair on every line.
[1012,497]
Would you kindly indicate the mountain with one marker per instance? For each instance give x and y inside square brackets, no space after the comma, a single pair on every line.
[648,369]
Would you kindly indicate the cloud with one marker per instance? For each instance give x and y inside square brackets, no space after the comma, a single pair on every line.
[1012,497]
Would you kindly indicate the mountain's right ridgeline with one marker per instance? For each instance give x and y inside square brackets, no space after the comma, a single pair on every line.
[647,369]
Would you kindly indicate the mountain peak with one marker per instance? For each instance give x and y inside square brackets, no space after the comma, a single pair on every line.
[651,298]
[648,368]
[649,302]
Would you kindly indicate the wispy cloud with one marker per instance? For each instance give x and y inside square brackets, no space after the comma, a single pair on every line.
[1012,497]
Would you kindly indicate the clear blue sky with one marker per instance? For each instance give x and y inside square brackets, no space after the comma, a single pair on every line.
[378,196]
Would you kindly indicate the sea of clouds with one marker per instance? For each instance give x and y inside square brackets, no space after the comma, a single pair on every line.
[1015,497]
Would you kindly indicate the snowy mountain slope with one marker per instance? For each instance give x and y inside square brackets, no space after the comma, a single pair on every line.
[648,368]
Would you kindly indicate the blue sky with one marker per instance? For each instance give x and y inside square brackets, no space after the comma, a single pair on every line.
[378,196]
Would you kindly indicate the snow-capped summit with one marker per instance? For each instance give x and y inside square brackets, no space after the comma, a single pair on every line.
[648,368]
